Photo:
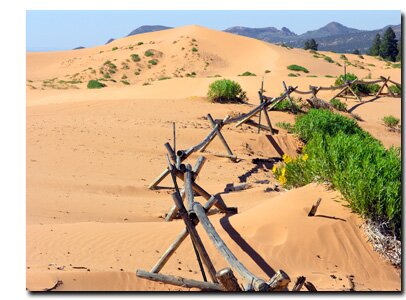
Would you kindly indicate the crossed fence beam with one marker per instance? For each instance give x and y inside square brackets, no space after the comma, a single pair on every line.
[192,214]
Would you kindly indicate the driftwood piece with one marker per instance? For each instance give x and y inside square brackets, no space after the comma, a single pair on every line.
[314,208]
[227,280]
[299,284]
[239,187]
[279,281]
[310,287]
[257,283]
[178,241]
[58,283]
[195,236]
[179,281]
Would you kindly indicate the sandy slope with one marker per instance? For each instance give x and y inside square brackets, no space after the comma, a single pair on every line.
[92,153]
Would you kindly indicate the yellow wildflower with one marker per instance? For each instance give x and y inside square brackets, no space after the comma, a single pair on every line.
[305,157]
[282,179]
[286,158]
[274,169]
[283,172]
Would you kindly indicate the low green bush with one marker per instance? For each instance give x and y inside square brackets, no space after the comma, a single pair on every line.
[153,62]
[328,59]
[318,121]
[352,161]
[395,89]
[135,57]
[357,88]
[225,90]
[337,104]
[297,68]
[194,49]
[247,73]
[149,53]
[114,48]
[292,75]
[285,105]
[95,84]
[285,125]
[125,82]
[391,121]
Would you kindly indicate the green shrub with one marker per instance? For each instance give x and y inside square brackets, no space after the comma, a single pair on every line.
[149,53]
[397,66]
[395,89]
[247,73]
[114,48]
[267,71]
[95,84]
[285,125]
[355,163]
[153,62]
[329,59]
[285,105]
[297,68]
[318,121]
[292,75]
[391,121]
[343,57]
[125,82]
[225,90]
[164,78]
[329,76]
[194,49]
[135,57]
[357,88]
[140,43]
[337,104]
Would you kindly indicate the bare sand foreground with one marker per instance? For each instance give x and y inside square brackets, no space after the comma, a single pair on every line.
[92,221]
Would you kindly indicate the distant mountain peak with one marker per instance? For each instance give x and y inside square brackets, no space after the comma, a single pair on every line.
[148,28]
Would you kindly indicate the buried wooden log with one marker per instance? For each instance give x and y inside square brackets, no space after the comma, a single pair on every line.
[179,281]
[195,236]
[279,281]
[249,278]
[310,287]
[314,208]
[299,284]
[227,280]
[239,187]
[178,241]
[196,170]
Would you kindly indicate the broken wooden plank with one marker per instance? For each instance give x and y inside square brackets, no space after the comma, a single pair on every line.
[227,280]
[314,208]
[299,284]
[279,281]
[179,281]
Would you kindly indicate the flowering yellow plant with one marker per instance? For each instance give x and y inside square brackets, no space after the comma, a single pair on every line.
[286,158]
[305,157]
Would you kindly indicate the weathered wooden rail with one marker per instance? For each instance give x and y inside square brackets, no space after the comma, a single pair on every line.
[192,214]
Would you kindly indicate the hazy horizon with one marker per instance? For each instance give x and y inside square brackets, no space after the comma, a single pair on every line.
[64,30]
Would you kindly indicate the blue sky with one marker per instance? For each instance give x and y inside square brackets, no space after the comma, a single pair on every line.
[50,30]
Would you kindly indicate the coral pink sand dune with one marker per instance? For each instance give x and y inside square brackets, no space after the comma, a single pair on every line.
[91,154]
